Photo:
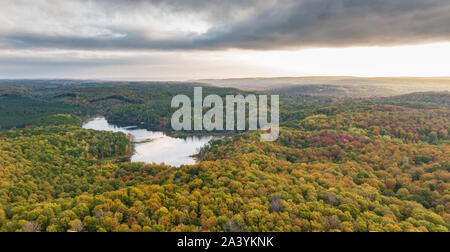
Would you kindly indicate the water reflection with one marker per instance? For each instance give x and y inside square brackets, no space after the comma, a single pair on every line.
[160,148]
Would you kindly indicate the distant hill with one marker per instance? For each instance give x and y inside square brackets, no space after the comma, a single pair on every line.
[49,88]
[344,86]
[427,99]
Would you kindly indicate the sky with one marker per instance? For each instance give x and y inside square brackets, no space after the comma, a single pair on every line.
[202,39]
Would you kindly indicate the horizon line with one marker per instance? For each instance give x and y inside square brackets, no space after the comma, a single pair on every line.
[215,79]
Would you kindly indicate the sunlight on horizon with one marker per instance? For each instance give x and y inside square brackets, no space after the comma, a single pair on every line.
[428,60]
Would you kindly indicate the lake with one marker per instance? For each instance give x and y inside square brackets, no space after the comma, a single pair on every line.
[160,148]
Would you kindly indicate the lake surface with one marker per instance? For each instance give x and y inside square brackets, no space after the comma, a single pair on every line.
[161,148]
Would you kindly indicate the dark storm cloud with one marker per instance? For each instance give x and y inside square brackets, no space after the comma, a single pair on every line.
[268,24]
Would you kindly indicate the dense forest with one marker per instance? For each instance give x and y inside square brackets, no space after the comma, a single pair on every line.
[341,164]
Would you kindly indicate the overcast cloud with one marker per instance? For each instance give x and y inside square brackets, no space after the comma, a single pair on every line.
[217,25]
